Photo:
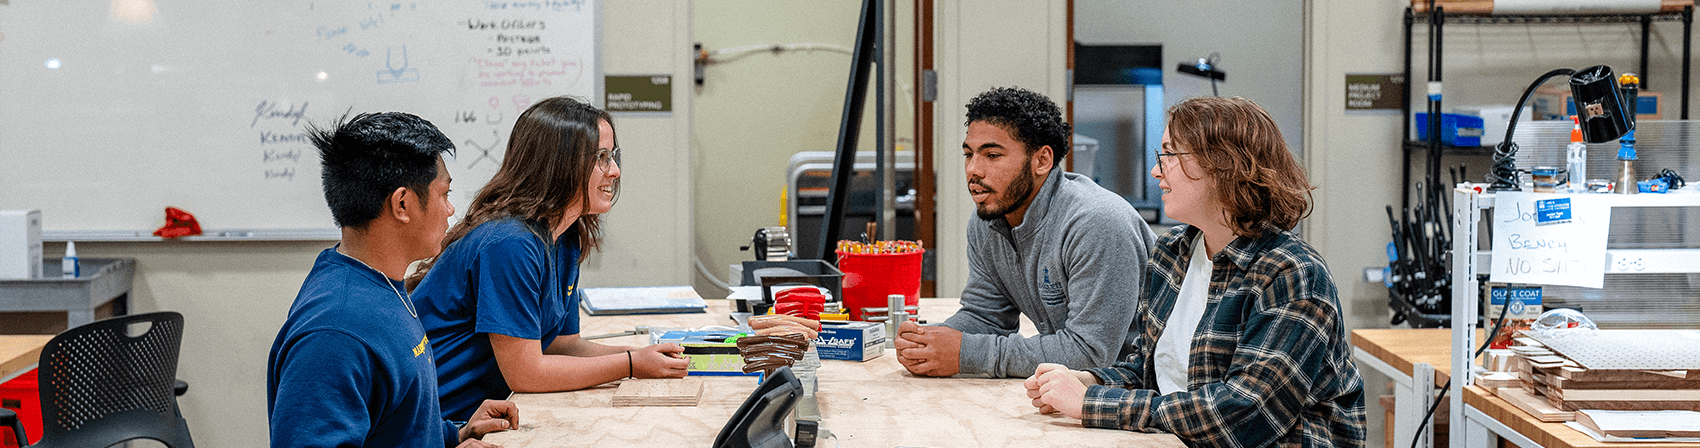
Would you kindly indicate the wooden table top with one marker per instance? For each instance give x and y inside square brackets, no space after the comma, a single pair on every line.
[872,403]
[19,353]
[1402,347]
[1549,435]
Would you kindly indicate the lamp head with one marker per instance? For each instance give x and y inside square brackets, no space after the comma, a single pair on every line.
[1598,108]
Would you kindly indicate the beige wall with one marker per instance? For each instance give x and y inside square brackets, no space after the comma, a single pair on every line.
[985,44]
[1353,160]
[754,111]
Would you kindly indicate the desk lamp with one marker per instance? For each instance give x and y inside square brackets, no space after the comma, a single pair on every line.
[1599,110]
[1206,67]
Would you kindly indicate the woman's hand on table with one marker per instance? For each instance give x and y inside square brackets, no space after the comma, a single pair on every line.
[660,361]
[1055,388]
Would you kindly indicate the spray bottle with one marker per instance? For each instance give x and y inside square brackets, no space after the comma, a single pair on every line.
[1576,158]
[1625,182]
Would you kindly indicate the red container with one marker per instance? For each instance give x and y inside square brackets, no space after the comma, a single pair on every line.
[21,396]
[869,278]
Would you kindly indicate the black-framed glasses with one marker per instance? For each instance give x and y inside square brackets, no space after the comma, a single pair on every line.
[604,157]
[1160,155]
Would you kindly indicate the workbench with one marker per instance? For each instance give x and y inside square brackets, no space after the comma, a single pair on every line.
[873,403]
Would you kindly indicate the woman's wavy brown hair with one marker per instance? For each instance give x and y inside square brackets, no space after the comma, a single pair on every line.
[1236,142]
[550,159]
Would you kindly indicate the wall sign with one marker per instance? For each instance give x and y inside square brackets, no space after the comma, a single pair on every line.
[1366,92]
[641,93]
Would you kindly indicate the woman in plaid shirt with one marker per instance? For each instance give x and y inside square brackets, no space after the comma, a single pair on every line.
[1242,342]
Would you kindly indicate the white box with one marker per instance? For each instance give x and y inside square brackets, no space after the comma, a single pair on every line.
[20,244]
[1495,117]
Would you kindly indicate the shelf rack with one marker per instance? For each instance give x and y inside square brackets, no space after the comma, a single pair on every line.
[1436,18]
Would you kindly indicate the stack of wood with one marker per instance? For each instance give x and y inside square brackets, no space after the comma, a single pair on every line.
[1565,386]
[1485,7]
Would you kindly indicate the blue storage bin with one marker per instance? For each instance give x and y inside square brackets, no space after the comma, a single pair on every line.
[1455,129]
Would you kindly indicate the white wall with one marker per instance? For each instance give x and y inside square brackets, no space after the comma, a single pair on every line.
[1259,42]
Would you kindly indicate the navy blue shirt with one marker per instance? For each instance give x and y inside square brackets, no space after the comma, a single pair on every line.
[503,277]
[351,366]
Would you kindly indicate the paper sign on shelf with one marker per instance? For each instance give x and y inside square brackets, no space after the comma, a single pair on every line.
[1550,239]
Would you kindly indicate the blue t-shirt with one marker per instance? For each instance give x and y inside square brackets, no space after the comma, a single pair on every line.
[503,278]
[351,366]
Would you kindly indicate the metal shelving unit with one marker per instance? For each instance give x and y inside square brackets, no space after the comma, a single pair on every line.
[1436,21]
[1663,257]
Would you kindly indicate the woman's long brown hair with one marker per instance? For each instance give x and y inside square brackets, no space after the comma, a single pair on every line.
[1258,181]
[550,158]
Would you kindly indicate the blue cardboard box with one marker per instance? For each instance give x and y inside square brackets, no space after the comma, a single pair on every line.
[853,340]
[1455,129]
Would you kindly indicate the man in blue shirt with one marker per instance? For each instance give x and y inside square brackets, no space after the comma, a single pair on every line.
[351,365]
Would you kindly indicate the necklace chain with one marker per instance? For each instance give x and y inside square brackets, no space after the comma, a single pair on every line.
[398,294]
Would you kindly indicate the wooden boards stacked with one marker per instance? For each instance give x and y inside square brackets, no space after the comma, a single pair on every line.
[685,391]
[1569,385]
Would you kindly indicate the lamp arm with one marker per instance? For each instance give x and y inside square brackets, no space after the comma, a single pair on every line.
[1504,172]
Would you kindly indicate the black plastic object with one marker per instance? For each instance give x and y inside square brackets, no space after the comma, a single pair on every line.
[1603,119]
[760,421]
[9,420]
[103,383]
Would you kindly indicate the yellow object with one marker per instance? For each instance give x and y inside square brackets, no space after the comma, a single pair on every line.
[783,196]
[1628,78]
[835,317]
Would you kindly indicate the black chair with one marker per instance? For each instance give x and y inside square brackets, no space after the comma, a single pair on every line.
[112,381]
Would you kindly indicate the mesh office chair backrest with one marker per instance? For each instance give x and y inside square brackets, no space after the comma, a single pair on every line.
[102,385]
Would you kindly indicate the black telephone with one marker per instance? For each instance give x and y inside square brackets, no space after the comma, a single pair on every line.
[760,421]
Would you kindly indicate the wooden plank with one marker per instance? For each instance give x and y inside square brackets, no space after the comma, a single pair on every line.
[1535,406]
[1566,383]
[1625,405]
[685,391]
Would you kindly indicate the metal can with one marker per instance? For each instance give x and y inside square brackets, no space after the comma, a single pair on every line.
[1545,178]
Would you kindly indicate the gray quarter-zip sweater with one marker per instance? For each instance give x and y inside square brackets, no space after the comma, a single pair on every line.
[1075,266]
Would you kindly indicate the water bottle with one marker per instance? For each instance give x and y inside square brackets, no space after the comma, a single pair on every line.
[1576,158]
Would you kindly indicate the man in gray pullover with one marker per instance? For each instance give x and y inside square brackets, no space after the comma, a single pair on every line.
[1049,244]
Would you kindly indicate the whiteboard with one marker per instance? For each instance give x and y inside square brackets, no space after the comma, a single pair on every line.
[112,110]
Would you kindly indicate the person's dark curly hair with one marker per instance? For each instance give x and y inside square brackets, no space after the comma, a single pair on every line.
[1031,118]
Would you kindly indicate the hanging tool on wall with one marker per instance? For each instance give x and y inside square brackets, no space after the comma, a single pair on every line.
[1419,279]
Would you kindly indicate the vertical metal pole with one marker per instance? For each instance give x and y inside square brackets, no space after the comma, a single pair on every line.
[1405,115]
[1687,53]
[1646,35]
[887,122]
[844,163]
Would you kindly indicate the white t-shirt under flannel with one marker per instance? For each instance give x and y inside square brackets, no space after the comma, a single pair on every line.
[1174,349]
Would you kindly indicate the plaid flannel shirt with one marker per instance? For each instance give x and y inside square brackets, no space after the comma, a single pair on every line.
[1270,363]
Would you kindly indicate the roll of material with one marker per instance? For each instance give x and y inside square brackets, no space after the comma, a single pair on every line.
[1552,7]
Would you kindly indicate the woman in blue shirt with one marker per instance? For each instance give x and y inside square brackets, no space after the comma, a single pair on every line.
[501,303]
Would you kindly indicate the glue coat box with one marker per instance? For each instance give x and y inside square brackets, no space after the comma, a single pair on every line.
[854,340]
[20,244]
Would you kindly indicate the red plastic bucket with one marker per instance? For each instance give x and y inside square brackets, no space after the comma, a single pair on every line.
[869,278]
[21,396]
